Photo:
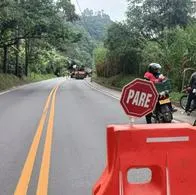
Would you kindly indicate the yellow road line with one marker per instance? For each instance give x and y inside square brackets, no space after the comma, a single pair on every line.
[24,179]
[42,188]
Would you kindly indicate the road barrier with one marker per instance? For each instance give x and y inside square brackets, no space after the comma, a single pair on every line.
[157,159]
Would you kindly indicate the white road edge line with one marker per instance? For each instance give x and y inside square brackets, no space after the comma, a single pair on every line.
[15,88]
[19,87]
[23,86]
[102,91]
[110,95]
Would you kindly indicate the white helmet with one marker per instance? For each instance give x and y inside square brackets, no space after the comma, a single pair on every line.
[153,66]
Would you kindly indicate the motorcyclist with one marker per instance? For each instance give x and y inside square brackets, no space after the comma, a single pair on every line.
[192,94]
[153,74]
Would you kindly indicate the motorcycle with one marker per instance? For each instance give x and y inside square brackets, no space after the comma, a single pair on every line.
[184,98]
[163,112]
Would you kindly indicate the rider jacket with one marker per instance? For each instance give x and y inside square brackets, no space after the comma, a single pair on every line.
[150,76]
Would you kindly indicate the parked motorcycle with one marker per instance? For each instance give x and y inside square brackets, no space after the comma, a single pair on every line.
[163,112]
[184,98]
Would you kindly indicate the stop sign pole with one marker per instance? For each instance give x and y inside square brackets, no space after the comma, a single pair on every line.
[139,98]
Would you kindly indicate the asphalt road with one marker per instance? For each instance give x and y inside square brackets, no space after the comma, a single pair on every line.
[58,151]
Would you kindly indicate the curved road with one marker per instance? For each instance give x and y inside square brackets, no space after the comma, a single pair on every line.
[59,150]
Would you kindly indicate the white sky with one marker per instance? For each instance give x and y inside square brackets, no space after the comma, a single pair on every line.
[114,8]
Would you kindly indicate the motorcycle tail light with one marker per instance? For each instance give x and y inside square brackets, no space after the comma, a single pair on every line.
[161,97]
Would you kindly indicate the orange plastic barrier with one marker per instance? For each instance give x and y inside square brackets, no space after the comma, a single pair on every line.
[167,150]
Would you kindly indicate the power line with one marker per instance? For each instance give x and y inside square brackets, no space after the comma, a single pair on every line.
[85,25]
[84,21]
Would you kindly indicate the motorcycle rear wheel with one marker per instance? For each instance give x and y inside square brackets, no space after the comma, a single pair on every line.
[164,115]
[167,117]
[183,101]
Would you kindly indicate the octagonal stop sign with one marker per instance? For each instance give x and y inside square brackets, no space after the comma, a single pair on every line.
[139,98]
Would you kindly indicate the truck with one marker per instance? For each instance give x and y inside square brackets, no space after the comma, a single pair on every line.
[78,73]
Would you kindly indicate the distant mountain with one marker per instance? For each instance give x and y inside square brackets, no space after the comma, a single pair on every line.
[93,28]
[95,23]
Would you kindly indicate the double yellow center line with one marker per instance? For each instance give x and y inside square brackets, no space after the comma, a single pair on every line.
[23,183]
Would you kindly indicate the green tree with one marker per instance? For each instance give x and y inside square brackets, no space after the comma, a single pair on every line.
[152,16]
[100,54]
[124,48]
[175,51]
[25,22]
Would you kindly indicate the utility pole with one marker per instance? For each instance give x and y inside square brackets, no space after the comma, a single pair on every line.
[5,57]
[17,52]
[26,56]
[17,46]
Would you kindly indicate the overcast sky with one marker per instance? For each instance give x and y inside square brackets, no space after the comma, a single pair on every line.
[114,8]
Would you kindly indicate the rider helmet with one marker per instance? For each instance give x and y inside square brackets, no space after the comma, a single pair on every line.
[154,68]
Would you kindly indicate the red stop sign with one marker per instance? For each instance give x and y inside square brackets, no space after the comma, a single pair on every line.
[139,98]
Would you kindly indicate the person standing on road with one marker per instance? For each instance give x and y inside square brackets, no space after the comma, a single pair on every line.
[192,94]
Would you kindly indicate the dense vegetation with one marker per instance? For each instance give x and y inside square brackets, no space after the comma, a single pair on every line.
[34,34]
[93,27]
[46,36]
[155,31]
